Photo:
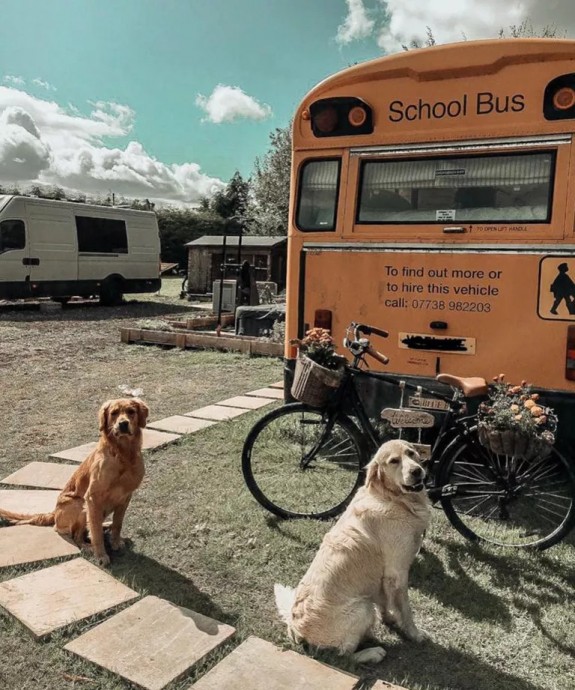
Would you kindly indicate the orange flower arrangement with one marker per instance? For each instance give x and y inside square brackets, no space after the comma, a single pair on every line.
[516,408]
[319,346]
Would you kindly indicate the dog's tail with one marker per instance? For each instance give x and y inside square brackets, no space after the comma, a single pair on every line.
[285,597]
[40,519]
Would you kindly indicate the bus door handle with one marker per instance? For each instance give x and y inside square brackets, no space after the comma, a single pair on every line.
[458,230]
[31,262]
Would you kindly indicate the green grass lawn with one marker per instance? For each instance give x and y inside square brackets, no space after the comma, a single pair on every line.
[498,620]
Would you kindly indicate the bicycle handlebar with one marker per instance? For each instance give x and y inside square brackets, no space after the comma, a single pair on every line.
[361,346]
[370,330]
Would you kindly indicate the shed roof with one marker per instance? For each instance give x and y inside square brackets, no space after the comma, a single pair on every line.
[261,241]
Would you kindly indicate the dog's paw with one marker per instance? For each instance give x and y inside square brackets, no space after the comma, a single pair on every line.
[418,635]
[103,560]
[117,544]
[372,655]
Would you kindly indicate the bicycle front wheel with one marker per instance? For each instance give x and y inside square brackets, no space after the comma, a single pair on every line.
[298,461]
[505,499]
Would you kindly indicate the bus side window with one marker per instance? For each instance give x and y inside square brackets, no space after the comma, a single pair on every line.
[12,235]
[317,195]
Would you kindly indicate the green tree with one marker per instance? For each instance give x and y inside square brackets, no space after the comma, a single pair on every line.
[269,207]
[179,226]
[233,200]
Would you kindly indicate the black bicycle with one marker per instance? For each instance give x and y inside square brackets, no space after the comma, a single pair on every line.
[304,462]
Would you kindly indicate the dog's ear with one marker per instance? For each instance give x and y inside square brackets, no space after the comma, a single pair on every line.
[374,474]
[103,415]
[143,412]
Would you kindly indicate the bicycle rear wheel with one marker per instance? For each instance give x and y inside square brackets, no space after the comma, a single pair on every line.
[299,462]
[504,499]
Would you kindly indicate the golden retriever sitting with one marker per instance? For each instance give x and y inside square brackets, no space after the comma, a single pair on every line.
[363,562]
[103,483]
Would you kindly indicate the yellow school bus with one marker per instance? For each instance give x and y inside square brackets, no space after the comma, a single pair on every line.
[433,195]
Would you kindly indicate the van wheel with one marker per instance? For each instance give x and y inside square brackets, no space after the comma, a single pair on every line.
[111,294]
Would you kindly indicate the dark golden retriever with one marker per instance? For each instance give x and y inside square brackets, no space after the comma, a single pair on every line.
[103,484]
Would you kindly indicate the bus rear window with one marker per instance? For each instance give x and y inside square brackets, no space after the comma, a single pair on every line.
[495,188]
[318,191]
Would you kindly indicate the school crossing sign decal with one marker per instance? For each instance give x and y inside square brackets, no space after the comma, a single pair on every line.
[557,288]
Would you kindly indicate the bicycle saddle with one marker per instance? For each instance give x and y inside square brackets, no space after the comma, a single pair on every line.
[471,387]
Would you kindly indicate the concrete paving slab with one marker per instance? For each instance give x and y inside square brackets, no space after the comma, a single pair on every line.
[259,665]
[28,501]
[181,424]
[278,384]
[76,454]
[45,475]
[152,439]
[152,642]
[270,392]
[246,402]
[28,544]
[54,597]
[216,412]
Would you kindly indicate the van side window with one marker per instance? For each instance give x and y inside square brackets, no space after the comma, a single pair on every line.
[12,235]
[101,235]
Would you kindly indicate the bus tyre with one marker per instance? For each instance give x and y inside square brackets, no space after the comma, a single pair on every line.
[298,462]
[506,500]
[111,293]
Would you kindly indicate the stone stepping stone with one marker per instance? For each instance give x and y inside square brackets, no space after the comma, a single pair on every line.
[259,665]
[152,439]
[274,393]
[246,402]
[181,424]
[216,412]
[46,475]
[151,643]
[28,501]
[28,544]
[76,454]
[278,384]
[54,597]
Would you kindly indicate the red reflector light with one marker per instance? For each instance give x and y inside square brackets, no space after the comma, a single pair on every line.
[564,98]
[322,319]
[570,354]
[326,120]
[357,116]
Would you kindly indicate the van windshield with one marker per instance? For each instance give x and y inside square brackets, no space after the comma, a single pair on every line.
[12,235]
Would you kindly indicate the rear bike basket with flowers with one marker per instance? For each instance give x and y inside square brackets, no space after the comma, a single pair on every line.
[514,422]
[319,370]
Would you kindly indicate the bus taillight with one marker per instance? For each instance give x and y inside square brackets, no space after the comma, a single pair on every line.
[559,99]
[339,116]
[322,319]
[570,354]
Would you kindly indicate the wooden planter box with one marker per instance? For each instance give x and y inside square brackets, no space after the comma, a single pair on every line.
[208,341]
[202,322]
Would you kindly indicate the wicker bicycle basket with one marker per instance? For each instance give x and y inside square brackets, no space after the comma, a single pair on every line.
[513,442]
[314,384]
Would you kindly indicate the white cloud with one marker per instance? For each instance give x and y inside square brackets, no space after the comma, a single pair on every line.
[398,22]
[15,81]
[357,24]
[229,103]
[43,84]
[41,142]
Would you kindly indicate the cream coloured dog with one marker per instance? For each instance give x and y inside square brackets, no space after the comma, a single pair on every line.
[362,566]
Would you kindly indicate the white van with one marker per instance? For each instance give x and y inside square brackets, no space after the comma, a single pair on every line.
[61,249]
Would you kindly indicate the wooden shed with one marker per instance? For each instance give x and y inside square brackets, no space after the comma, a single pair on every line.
[205,256]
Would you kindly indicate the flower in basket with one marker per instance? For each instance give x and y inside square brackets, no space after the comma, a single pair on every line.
[514,412]
[318,345]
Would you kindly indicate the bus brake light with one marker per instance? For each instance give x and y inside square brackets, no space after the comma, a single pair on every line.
[339,116]
[564,98]
[322,319]
[570,354]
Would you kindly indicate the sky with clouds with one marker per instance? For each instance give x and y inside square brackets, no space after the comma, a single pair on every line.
[165,99]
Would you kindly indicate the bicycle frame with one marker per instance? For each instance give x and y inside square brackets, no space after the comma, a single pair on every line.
[453,423]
